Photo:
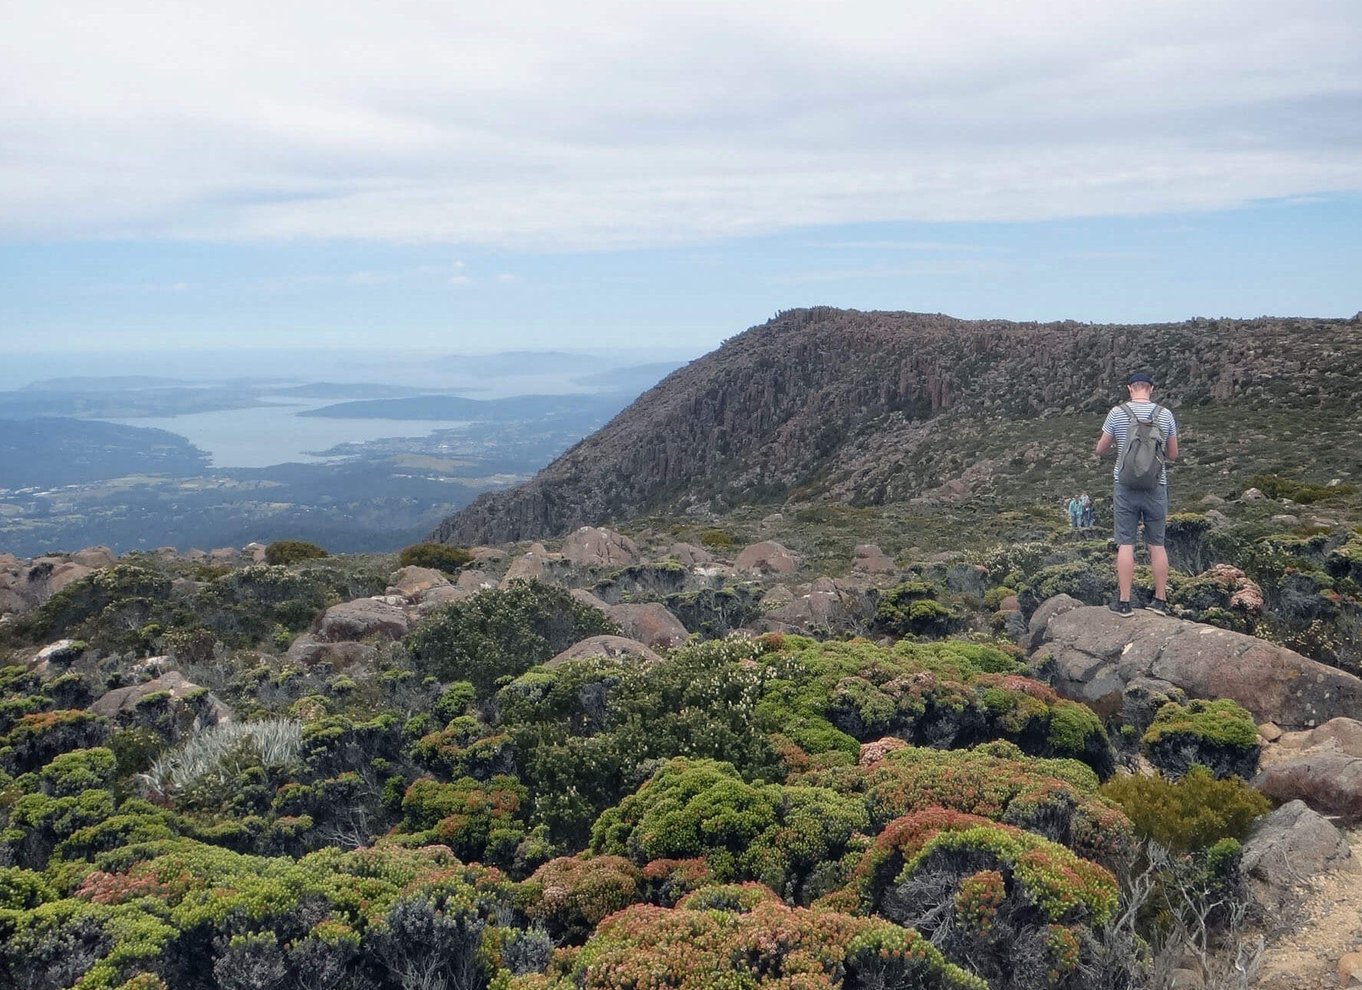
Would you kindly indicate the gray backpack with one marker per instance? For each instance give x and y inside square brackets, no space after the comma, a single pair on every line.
[1141,463]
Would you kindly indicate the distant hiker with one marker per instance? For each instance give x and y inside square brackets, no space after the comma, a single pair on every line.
[1145,437]
[1084,511]
[1075,512]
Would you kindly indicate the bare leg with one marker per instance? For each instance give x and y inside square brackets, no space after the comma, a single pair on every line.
[1158,559]
[1125,569]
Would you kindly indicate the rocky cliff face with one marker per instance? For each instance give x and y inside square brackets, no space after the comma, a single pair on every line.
[827,402]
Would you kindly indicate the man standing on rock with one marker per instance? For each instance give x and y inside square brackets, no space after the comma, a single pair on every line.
[1145,437]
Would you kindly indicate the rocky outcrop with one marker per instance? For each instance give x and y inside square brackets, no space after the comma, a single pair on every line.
[1093,655]
[361,619]
[766,557]
[595,546]
[1286,849]
[614,647]
[871,408]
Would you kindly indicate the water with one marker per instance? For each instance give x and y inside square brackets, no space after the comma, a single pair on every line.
[262,436]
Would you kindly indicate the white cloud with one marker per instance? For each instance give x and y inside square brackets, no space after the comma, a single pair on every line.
[614,123]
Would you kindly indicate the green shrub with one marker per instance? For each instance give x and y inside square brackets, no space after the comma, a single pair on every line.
[717,539]
[768,947]
[1219,735]
[1193,813]
[497,633]
[911,609]
[1304,492]
[439,556]
[702,808]
[284,552]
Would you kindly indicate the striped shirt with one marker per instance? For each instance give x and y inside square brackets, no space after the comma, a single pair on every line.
[1117,426]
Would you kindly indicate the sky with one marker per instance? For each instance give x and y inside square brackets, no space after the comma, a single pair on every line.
[419,175]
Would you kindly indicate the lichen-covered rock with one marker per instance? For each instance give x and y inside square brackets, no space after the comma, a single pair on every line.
[362,618]
[1091,654]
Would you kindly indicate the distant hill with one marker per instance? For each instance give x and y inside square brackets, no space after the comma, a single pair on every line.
[52,451]
[875,407]
[635,378]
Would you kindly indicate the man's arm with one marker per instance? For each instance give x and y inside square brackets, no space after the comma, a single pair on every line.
[1105,442]
[1170,448]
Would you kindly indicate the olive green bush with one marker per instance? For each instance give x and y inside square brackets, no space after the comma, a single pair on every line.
[498,633]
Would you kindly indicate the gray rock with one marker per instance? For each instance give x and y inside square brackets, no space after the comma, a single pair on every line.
[474,581]
[868,558]
[689,554]
[651,624]
[614,647]
[1253,495]
[1216,518]
[766,557]
[58,654]
[1288,847]
[1342,734]
[309,651]
[527,568]
[596,546]
[95,557]
[1090,654]
[1327,779]
[193,707]
[410,582]
[362,618]
[588,599]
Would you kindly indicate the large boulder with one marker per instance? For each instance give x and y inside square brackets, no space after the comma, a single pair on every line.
[361,619]
[533,566]
[309,651]
[411,582]
[689,554]
[1286,849]
[95,557]
[190,707]
[1091,654]
[56,655]
[596,546]
[1343,734]
[614,647]
[828,608]
[766,557]
[1327,779]
[649,623]
[869,559]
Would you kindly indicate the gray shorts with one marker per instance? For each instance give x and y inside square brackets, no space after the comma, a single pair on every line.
[1132,506]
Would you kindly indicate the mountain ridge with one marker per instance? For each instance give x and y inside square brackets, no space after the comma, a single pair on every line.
[830,403]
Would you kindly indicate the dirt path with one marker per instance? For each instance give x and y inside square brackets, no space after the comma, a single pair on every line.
[1307,959]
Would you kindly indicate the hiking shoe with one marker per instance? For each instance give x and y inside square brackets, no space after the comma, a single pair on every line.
[1158,605]
[1122,609]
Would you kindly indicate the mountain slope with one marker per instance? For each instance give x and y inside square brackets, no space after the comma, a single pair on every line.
[870,407]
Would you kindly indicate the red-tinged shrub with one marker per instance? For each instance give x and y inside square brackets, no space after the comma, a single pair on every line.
[668,880]
[771,946]
[1024,911]
[570,895]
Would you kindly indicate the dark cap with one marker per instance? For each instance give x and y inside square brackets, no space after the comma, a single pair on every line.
[1140,376]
